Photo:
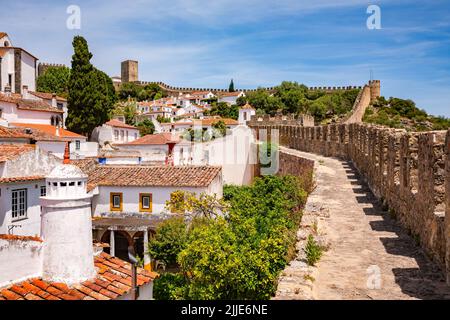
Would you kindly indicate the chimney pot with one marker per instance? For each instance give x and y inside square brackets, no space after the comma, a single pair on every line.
[25,92]
[54,105]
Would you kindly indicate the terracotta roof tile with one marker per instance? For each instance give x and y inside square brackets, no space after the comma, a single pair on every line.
[115,282]
[20,179]
[13,133]
[13,151]
[22,238]
[119,124]
[50,130]
[47,96]
[163,176]
[155,139]
[28,104]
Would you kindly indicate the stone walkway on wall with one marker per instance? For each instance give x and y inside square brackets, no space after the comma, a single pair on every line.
[364,242]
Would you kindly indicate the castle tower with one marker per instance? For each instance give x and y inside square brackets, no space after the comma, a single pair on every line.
[375,89]
[129,71]
[66,226]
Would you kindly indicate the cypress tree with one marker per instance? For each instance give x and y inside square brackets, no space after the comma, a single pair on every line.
[91,92]
[231,87]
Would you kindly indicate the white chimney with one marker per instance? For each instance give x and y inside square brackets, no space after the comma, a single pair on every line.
[25,92]
[54,104]
[66,226]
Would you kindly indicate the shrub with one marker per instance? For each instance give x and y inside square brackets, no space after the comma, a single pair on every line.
[169,286]
[313,251]
[169,240]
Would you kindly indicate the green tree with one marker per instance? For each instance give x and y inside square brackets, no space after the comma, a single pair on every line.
[261,99]
[223,110]
[54,80]
[128,109]
[91,92]
[169,240]
[146,127]
[219,129]
[129,90]
[231,86]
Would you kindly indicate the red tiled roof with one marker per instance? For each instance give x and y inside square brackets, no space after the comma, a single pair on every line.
[2,34]
[204,122]
[12,151]
[27,104]
[49,129]
[247,106]
[46,96]
[113,280]
[20,179]
[152,139]
[13,133]
[230,94]
[119,124]
[149,176]
[21,238]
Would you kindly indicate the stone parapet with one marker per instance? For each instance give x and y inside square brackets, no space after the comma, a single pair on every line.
[408,172]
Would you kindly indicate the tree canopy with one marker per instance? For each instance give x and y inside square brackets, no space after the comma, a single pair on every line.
[231,86]
[91,92]
[54,80]
[140,93]
[240,253]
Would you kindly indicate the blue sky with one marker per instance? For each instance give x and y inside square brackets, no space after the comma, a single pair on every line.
[257,43]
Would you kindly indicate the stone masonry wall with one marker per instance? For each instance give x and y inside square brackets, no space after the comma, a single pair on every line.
[408,172]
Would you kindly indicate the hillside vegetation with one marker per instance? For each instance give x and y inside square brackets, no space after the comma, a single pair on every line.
[295,98]
[403,114]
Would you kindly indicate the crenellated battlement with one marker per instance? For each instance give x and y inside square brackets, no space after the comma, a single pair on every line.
[173,89]
[42,67]
[408,172]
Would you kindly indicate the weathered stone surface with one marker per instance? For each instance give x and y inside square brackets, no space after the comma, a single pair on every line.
[408,172]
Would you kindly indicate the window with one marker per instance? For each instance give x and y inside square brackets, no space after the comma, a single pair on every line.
[1,113]
[43,191]
[59,105]
[19,204]
[145,202]
[10,79]
[77,145]
[122,135]
[135,134]
[116,200]
[245,116]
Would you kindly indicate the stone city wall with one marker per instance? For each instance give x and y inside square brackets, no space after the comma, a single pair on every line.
[408,172]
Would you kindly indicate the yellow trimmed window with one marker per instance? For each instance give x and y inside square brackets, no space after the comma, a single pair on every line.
[145,202]
[116,201]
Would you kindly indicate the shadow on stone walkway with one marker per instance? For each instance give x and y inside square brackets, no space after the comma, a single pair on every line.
[366,243]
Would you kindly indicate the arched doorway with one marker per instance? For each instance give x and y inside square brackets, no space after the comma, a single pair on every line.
[121,242]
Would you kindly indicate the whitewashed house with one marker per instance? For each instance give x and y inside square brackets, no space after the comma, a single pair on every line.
[115,131]
[22,181]
[245,114]
[63,264]
[230,97]
[17,66]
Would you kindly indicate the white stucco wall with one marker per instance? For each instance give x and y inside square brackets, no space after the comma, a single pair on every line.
[19,260]
[8,68]
[145,293]
[29,226]
[106,133]
[148,152]
[28,71]
[12,114]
